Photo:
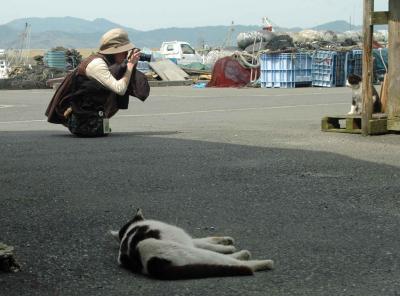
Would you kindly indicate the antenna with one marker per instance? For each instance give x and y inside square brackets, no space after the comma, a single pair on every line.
[350,24]
[228,39]
[21,54]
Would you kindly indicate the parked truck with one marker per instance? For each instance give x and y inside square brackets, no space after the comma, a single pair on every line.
[180,51]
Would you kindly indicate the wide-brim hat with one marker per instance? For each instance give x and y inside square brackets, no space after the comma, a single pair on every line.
[115,41]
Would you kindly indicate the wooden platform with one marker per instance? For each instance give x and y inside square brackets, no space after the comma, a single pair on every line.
[352,124]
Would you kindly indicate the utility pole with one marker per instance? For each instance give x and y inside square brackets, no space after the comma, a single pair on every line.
[350,26]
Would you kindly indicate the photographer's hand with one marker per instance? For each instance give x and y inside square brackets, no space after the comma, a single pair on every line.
[134,58]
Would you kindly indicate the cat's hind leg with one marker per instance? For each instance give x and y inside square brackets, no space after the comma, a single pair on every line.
[243,255]
[258,265]
[169,260]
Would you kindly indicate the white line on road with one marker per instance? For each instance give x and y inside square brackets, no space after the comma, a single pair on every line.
[23,121]
[227,110]
[194,112]
[255,95]
[5,106]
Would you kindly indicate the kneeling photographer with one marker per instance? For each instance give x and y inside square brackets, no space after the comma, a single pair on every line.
[99,87]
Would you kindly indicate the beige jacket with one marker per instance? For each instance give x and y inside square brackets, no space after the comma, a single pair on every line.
[98,70]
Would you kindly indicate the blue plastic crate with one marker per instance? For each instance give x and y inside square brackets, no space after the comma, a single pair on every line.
[285,70]
[323,69]
[55,59]
[354,63]
[329,68]
[341,68]
[380,63]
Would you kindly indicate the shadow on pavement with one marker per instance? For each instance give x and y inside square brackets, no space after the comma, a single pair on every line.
[330,222]
[121,134]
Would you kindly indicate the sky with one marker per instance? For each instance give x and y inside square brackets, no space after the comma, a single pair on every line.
[148,15]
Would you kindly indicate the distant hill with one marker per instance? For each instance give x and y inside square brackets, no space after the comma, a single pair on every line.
[79,33]
[7,34]
[337,26]
[63,24]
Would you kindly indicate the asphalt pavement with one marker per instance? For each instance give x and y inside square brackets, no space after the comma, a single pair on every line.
[248,163]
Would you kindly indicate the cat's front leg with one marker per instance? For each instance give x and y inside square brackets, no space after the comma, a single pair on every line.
[241,255]
[352,110]
[217,240]
[223,249]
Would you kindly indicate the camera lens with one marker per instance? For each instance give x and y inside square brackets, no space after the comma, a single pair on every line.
[145,57]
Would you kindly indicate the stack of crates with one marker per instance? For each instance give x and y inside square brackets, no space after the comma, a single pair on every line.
[354,64]
[380,63]
[55,59]
[329,68]
[285,70]
[341,67]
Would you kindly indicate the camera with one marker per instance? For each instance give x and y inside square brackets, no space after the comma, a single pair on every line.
[144,57]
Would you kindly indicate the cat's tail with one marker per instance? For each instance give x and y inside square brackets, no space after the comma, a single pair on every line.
[163,269]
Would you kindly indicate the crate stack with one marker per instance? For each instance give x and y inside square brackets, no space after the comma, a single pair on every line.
[55,59]
[329,68]
[355,62]
[317,68]
[285,70]
[380,55]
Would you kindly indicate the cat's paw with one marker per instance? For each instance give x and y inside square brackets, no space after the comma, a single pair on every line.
[259,265]
[243,255]
[229,250]
[268,264]
[224,240]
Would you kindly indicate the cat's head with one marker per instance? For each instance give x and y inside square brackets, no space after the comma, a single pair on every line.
[118,235]
[353,81]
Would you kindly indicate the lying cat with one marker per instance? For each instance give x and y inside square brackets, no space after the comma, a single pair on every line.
[355,83]
[167,252]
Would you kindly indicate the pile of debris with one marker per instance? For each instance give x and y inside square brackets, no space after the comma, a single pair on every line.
[31,77]
[254,42]
[270,42]
[36,76]
[252,45]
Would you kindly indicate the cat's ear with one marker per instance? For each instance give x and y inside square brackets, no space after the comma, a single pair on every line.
[139,216]
[115,234]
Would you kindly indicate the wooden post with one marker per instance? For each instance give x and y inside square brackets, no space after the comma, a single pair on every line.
[367,73]
[393,106]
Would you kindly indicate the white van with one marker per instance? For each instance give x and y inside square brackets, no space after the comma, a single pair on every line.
[181,51]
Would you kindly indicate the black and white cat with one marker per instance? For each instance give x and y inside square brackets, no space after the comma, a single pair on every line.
[355,83]
[166,252]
